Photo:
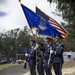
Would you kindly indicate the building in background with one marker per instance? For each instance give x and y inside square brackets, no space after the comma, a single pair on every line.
[69,56]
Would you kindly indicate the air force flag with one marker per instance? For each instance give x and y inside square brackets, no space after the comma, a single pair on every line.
[38,22]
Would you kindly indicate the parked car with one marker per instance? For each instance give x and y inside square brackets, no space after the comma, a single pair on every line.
[12,60]
[19,61]
[4,60]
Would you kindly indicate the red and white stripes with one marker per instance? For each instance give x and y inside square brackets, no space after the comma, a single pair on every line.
[60,28]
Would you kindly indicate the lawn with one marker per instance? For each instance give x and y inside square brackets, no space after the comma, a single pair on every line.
[3,66]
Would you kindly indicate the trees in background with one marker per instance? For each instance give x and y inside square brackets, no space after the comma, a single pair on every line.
[16,40]
[67,7]
[13,41]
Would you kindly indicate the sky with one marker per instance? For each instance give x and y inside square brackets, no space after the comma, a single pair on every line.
[12,16]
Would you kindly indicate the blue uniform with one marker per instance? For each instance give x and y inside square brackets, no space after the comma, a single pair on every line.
[40,62]
[32,61]
[46,58]
[58,58]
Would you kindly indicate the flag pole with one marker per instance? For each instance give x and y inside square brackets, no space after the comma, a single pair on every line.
[36,42]
[19,1]
[36,50]
[35,39]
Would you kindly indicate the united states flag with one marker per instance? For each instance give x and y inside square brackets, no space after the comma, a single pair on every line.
[60,28]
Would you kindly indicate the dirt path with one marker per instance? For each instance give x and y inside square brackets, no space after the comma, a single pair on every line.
[68,71]
[14,70]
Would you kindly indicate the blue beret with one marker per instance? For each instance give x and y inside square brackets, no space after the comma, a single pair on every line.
[33,41]
[41,44]
[59,36]
[47,38]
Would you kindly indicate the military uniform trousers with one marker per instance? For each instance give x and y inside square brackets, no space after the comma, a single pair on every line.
[46,68]
[58,58]
[57,68]
[57,65]
[40,66]
[32,65]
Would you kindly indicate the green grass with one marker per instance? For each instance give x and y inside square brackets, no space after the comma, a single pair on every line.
[3,66]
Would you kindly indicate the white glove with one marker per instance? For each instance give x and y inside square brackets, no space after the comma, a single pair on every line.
[51,51]
[26,54]
[36,46]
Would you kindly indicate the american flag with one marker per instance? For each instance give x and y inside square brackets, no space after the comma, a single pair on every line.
[60,28]
[55,24]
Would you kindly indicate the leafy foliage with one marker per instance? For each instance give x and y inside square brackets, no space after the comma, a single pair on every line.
[67,7]
[13,41]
